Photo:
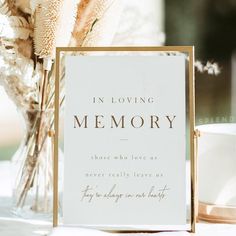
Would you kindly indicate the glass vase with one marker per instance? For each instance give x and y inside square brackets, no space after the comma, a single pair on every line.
[33,166]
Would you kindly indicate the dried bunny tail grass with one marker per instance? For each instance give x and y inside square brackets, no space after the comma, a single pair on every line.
[54,22]
[96,22]
[14,27]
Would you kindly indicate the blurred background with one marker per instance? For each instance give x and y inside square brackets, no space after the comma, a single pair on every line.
[209,25]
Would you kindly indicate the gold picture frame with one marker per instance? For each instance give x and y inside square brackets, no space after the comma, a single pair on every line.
[191,106]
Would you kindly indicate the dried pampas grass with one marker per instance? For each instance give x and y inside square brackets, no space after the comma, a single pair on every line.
[24,6]
[14,27]
[19,76]
[4,9]
[25,47]
[96,22]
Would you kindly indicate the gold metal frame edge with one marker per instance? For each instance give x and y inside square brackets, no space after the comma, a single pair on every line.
[191,96]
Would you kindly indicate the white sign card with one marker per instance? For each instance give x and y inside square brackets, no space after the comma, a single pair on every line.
[125,141]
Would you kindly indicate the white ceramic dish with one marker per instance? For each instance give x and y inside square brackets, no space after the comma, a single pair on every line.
[217,172]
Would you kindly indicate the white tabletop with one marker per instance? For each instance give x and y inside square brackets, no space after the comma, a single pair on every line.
[11,225]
